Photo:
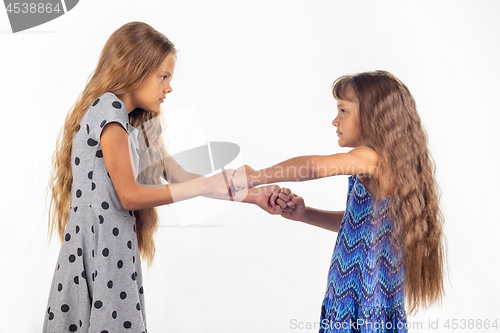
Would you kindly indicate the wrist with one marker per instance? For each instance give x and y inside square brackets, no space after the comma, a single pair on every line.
[246,196]
[305,216]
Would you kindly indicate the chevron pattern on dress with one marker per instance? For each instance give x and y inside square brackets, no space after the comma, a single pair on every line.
[366,277]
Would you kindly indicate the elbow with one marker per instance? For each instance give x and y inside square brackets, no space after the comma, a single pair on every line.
[127,205]
[128,201]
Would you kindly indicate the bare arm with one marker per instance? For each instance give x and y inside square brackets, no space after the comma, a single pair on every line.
[133,196]
[176,173]
[329,220]
[359,161]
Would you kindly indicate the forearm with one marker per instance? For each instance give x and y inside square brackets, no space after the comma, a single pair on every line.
[188,176]
[176,173]
[329,220]
[299,168]
[181,176]
[147,196]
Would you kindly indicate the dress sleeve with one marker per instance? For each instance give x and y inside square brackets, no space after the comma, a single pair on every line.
[104,110]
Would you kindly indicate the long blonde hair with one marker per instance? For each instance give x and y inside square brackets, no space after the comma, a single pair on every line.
[131,54]
[390,124]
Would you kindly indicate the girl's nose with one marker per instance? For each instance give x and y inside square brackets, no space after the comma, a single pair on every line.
[335,122]
[167,88]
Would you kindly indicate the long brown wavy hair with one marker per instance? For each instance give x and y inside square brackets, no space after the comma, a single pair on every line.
[390,125]
[131,54]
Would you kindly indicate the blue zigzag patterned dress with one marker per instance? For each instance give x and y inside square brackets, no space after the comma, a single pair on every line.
[365,281]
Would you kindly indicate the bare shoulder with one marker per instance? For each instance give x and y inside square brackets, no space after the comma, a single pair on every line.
[370,157]
[366,157]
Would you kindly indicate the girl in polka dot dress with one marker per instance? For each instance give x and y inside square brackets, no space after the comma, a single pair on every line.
[389,246]
[104,209]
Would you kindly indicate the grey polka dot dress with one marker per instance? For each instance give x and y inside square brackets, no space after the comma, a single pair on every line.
[97,282]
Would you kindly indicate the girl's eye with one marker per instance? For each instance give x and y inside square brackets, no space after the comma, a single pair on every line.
[342,110]
[163,77]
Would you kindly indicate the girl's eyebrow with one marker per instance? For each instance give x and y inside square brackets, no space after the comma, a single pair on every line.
[165,72]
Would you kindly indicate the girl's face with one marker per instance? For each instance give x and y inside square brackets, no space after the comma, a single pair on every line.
[347,123]
[154,89]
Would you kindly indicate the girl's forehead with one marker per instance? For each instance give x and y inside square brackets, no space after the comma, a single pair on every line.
[344,102]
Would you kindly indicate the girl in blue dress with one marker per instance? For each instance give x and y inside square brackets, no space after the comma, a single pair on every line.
[389,247]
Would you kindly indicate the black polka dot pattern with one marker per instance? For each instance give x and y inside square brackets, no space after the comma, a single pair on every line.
[100,240]
[92,142]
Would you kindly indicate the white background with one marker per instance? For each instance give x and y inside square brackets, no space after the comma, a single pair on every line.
[257,73]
